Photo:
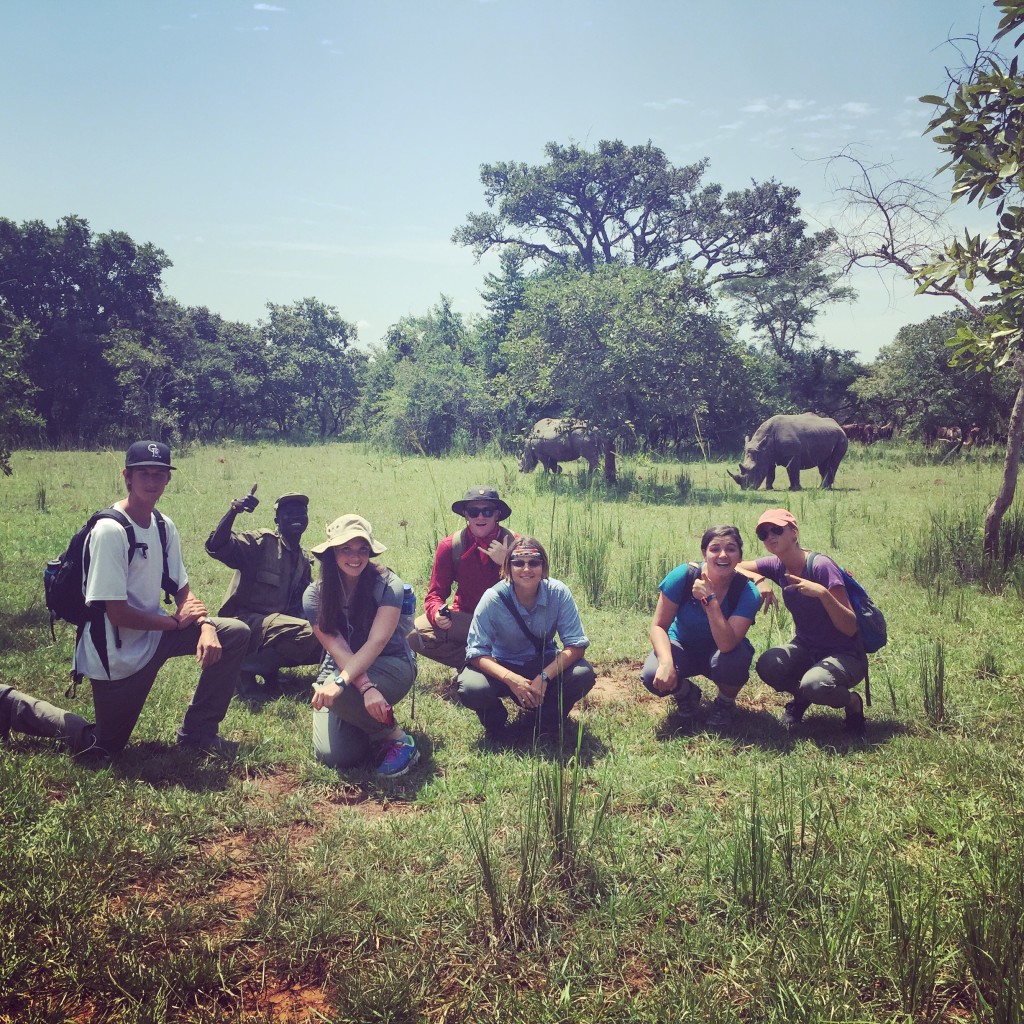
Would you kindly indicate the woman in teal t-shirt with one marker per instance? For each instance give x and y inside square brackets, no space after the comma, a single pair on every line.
[700,628]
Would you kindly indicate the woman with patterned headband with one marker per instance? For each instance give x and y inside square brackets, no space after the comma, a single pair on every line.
[511,652]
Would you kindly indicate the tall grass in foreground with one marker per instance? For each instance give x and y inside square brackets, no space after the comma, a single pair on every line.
[554,854]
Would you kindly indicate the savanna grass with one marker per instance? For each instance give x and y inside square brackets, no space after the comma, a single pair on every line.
[755,875]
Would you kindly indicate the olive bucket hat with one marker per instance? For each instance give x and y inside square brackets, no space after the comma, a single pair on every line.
[478,493]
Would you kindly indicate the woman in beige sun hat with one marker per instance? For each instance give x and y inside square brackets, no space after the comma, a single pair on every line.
[356,609]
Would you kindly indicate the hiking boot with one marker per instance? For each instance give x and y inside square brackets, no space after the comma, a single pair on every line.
[399,756]
[216,745]
[722,714]
[855,724]
[688,705]
[793,714]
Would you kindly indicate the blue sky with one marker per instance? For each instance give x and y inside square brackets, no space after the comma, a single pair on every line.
[329,148]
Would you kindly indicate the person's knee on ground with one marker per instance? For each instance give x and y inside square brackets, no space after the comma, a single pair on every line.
[337,744]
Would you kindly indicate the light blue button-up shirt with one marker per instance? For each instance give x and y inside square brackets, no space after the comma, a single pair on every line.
[495,633]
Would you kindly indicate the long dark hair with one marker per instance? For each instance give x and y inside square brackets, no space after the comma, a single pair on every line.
[331,617]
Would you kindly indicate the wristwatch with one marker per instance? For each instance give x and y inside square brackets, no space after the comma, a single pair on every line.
[545,677]
[204,621]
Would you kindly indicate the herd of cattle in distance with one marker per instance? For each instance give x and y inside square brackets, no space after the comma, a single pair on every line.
[797,442]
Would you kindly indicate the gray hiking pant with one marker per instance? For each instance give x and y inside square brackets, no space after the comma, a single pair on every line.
[118,702]
[793,668]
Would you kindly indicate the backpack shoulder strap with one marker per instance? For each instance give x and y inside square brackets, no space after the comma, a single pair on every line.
[732,598]
[692,572]
[809,565]
[458,546]
[170,586]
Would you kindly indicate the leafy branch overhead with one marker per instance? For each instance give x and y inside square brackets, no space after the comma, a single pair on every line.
[979,127]
[628,204]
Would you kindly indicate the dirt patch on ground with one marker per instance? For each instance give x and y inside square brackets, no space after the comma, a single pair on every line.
[286,1003]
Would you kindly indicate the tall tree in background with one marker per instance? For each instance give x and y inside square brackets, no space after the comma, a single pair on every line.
[426,390]
[626,349]
[315,377]
[913,382]
[75,286]
[979,125]
[16,391]
[618,203]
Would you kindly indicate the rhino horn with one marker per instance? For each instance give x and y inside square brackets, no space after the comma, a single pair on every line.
[739,479]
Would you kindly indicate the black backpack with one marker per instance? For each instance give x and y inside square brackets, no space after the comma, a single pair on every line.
[64,583]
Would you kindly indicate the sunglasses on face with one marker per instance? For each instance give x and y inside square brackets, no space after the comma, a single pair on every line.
[764,531]
[526,563]
[481,510]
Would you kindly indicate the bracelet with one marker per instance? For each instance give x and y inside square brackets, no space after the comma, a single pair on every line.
[707,600]
[760,579]
[368,686]
[177,621]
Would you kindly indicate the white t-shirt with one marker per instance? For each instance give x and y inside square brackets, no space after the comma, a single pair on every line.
[112,578]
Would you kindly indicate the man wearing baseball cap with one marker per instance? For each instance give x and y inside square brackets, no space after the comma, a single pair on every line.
[272,572]
[122,649]
[470,560]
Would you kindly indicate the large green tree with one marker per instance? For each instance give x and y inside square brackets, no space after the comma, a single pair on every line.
[617,203]
[627,349]
[17,417]
[913,381]
[315,375]
[426,389]
[75,286]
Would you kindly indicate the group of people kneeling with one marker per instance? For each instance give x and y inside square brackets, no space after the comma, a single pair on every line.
[507,610]
[498,631]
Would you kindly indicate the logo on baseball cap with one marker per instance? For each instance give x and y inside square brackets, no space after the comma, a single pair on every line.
[148,453]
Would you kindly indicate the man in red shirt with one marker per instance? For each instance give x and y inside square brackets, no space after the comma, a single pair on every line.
[471,559]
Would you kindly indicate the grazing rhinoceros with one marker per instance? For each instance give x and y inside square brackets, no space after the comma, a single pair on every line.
[796,442]
[552,441]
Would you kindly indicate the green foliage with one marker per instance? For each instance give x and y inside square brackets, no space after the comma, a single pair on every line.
[913,381]
[979,127]
[426,391]
[628,204]
[627,349]
[783,309]
[17,418]
[74,287]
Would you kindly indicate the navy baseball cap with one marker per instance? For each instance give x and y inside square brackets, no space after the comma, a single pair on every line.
[148,453]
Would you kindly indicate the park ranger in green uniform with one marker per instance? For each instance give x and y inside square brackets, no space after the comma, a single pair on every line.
[272,573]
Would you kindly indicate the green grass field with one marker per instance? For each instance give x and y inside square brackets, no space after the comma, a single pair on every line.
[639,873]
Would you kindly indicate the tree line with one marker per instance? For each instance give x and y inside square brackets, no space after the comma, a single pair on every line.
[623,287]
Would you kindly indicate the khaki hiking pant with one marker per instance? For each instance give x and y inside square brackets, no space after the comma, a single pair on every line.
[448,646]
